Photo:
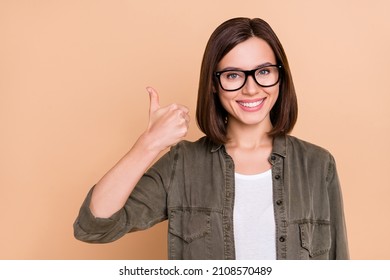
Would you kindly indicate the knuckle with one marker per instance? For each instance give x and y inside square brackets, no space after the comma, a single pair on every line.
[180,113]
[182,131]
[173,106]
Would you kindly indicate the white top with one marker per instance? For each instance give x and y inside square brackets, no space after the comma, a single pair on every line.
[253,217]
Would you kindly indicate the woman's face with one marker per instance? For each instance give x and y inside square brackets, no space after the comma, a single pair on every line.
[251,104]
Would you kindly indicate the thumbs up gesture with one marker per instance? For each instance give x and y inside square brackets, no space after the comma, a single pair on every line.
[167,125]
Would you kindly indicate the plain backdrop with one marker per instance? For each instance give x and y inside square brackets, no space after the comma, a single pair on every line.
[73,101]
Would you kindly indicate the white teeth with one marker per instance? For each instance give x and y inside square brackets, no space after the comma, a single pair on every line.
[251,104]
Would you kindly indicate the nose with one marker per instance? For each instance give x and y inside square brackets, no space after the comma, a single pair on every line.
[250,87]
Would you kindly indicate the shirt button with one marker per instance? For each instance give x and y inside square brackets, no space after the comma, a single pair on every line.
[279,202]
[273,157]
[277,177]
[282,239]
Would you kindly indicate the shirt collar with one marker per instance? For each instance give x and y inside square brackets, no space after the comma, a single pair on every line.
[216,147]
[280,146]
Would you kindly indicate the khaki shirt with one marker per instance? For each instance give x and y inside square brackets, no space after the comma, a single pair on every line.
[193,187]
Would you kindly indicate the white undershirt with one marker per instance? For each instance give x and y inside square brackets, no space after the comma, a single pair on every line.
[253,217]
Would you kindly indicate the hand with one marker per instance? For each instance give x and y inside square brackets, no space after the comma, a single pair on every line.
[167,125]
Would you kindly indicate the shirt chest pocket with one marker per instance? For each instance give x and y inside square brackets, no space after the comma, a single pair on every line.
[315,240]
[189,234]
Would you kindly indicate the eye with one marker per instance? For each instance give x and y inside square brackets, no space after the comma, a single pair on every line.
[232,75]
[263,71]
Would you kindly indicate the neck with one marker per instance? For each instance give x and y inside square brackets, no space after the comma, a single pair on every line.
[249,136]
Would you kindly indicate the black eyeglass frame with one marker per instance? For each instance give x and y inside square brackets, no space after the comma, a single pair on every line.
[248,73]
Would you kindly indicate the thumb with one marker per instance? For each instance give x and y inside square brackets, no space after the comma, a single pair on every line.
[154,100]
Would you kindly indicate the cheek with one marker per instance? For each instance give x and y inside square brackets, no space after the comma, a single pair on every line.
[224,100]
[272,97]
[274,94]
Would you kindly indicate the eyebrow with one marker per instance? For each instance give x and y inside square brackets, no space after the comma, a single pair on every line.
[230,68]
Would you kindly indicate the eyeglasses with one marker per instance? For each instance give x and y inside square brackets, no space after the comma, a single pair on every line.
[265,76]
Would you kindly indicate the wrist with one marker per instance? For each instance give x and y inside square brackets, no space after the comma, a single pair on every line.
[150,143]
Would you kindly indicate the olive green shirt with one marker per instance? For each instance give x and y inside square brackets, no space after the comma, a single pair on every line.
[193,187]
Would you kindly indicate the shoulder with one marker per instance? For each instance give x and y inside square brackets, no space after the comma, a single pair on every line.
[296,145]
[185,154]
[303,152]
[203,144]
[196,156]
[306,156]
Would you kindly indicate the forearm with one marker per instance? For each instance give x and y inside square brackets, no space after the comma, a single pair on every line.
[112,191]
[167,126]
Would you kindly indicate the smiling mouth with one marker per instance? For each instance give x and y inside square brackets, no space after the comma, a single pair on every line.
[251,104]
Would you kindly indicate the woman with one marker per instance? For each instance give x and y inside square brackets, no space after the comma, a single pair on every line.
[246,190]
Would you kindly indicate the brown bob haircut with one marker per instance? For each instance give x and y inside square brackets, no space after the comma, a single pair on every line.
[210,114]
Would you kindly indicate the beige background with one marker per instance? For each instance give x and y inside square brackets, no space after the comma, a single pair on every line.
[73,100]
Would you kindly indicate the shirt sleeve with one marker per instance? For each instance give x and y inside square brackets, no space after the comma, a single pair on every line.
[146,206]
[339,246]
